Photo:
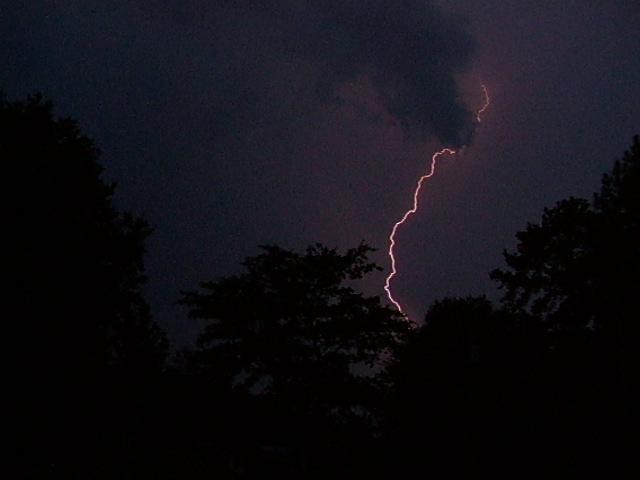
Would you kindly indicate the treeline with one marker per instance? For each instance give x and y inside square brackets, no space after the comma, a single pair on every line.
[297,374]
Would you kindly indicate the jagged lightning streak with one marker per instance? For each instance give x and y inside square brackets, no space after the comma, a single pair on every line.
[487,101]
[414,209]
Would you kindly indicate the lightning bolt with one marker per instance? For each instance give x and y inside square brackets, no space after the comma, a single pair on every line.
[487,101]
[414,208]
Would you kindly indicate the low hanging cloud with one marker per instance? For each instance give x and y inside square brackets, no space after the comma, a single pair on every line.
[410,50]
[229,55]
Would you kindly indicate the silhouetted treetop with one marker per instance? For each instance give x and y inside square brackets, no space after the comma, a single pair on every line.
[619,194]
[78,261]
[577,274]
[549,256]
[82,345]
[292,325]
[581,264]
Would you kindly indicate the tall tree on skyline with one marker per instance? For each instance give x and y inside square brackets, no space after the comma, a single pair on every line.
[577,274]
[79,261]
[79,330]
[579,268]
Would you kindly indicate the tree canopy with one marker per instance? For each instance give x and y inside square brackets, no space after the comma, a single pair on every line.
[79,332]
[578,270]
[293,326]
[583,257]
[78,260]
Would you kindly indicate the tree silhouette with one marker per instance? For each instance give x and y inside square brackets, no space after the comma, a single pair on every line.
[579,269]
[290,331]
[583,259]
[577,273]
[79,262]
[76,275]
[291,325]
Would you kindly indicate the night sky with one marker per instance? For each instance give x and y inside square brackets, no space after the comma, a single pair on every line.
[234,124]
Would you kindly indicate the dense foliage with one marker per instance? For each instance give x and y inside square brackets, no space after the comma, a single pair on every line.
[79,327]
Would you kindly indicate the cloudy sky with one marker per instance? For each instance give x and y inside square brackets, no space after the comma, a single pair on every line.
[233,124]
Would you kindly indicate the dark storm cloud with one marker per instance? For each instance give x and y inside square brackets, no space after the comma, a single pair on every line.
[239,59]
[410,50]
